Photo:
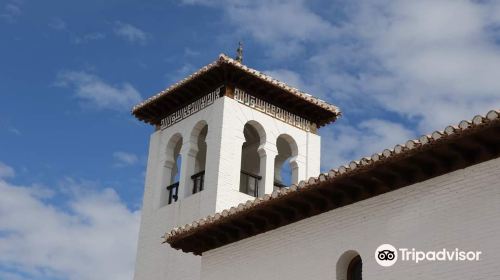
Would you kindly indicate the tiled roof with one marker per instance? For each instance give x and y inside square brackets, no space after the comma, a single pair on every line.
[225,60]
[387,156]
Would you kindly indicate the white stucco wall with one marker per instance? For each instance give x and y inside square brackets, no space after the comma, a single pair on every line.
[456,210]
[235,117]
[226,119]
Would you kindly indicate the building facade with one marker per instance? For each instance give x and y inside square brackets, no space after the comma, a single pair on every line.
[457,210]
[217,190]
[216,149]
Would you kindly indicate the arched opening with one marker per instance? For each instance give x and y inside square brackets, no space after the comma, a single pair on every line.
[285,165]
[250,176]
[354,269]
[171,172]
[350,266]
[198,177]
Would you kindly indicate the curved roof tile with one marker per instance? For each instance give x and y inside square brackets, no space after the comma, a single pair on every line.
[387,154]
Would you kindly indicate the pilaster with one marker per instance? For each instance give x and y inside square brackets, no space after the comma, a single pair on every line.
[267,155]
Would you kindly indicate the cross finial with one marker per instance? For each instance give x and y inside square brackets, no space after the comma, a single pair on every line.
[239,53]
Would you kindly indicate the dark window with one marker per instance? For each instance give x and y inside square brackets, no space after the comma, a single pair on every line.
[354,269]
[198,181]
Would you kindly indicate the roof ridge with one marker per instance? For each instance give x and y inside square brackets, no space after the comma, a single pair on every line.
[398,150]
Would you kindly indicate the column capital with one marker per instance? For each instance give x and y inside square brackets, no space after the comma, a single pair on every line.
[188,150]
[267,149]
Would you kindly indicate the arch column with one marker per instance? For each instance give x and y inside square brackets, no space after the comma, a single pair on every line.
[188,154]
[267,156]
[295,172]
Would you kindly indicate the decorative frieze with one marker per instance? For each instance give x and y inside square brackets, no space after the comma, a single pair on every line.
[243,98]
[192,108]
[272,110]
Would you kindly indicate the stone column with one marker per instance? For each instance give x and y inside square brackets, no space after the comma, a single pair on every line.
[188,154]
[295,171]
[267,155]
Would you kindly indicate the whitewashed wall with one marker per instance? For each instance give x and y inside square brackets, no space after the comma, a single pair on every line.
[226,119]
[456,210]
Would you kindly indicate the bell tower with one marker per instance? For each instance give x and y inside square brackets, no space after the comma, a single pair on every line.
[223,135]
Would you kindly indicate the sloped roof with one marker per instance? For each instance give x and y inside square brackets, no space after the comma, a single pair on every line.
[226,70]
[456,147]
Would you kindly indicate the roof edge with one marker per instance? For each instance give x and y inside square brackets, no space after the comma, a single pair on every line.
[492,117]
[224,59]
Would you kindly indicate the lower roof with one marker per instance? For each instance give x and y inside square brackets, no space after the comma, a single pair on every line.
[456,147]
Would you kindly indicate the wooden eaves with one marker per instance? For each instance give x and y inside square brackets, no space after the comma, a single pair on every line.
[456,147]
[230,73]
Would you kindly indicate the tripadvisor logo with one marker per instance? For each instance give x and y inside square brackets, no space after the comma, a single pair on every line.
[387,255]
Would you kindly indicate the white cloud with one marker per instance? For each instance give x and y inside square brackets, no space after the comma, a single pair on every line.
[283,26]
[4,275]
[428,62]
[191,52]
[344,143]
[94,237]
[180,73]
[57,24]
[11,10]
[124,158]
[6,171]
[95,36]
[15,131]
[131,33]
[434,60]
[92,89]
[291,78]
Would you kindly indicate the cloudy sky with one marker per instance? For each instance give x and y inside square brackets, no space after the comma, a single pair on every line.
[72,159]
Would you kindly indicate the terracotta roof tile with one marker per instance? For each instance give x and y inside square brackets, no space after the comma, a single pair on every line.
[224,59]
[477,121]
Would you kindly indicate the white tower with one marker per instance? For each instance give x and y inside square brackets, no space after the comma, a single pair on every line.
[223,136]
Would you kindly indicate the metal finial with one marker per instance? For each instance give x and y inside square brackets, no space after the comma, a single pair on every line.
[239,52]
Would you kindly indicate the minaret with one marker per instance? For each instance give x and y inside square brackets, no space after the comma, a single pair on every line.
[223,136]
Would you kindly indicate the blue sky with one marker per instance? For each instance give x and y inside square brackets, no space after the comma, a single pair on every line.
[72,159]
